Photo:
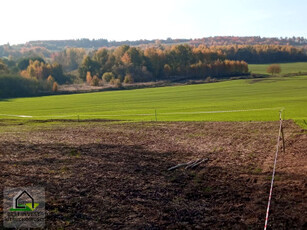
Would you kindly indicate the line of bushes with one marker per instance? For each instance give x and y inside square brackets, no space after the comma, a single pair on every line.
[17,86]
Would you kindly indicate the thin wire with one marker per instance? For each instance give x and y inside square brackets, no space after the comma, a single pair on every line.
[273,174]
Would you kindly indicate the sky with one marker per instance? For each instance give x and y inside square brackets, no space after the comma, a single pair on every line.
[120,20]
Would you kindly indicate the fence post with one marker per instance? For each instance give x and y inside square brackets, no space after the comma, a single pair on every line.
[282,117]
[283,139]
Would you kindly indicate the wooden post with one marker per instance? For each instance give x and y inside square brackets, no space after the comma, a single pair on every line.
[282,132]
[283,140]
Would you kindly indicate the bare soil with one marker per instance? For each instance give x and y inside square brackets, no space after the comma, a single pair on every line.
[106,175]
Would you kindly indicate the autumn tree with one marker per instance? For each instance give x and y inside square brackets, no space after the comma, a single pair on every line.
[119,52]
[105,60]
[136,56]
[274,69]
[179,58]
[128,79]
[24,62]
[70,58]
[106,77]
[50,79]
[116,82]
[167,70]
[88,77]
[55,87]
[155,63]
[3,67]
[88,65]
[95,81]
[41,71]
[38,70]
[126,59]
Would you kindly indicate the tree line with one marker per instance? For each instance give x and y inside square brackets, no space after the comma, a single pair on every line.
[30,77]
[261,54]
[160,63]
[50,46]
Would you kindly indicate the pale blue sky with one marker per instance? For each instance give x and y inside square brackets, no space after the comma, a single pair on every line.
[22,20]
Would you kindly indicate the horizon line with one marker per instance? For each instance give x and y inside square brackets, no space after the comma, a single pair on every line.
[156,39]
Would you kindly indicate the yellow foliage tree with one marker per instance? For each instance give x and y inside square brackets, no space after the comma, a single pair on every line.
[128,79]
[88,77]
[126,59]
[95,81]
[274,69]
[55,87]
[116,83]
[50,79]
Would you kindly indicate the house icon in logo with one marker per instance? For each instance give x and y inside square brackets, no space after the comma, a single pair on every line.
[20,206]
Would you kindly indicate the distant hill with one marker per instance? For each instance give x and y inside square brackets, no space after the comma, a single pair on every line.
[49,48]
[57,45]
[209,41]
[255,40]
[97,43]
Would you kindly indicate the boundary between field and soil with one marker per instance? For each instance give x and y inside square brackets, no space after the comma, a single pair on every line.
[140,114]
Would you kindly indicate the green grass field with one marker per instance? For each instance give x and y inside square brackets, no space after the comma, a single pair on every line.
[262,98]
[285,68]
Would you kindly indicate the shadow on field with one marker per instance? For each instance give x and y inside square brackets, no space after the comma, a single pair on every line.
[105,186]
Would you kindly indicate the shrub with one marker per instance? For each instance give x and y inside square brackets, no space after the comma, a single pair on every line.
[95,81]
[112,81]
[128,79]
[120,77]
[108,76]
[117,83]
[17,86]
[208,79]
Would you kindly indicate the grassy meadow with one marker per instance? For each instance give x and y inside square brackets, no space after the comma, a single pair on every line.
[285,68]
[261,98]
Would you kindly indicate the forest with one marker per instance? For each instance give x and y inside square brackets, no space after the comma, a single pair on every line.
[134,64]
[49,46]
[129,64]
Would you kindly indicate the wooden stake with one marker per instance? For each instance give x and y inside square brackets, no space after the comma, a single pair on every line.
[282,132]
[283,140]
